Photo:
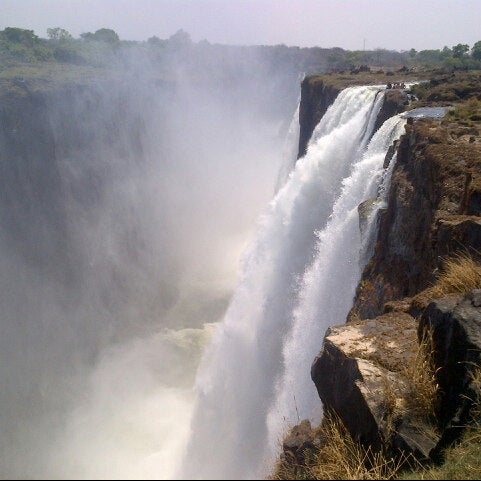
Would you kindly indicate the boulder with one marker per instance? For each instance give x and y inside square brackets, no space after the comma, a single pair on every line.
[455,326]
[358,376]
[459,232]
[300,439]
[471,204]
[365,209]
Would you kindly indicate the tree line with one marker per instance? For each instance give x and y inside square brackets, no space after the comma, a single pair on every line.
[98,48]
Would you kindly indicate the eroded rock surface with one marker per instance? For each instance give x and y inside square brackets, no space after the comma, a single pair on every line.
[359,376]
[432,212]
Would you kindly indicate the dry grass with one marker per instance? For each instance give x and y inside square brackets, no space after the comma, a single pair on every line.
[414,394]
[338,457]
[459,275]
[463,460]
[469,110]
[476,387]
[393,405]
[420,374]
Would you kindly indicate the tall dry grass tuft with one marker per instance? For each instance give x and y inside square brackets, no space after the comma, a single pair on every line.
[459,274]
[341,457]
[290,469]
[422,388]
[338,456]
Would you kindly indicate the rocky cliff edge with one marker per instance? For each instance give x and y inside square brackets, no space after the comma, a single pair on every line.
[401,373]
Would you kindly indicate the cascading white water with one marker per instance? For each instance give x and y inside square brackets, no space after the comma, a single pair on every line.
[242,383]
[328,285]
[97,365]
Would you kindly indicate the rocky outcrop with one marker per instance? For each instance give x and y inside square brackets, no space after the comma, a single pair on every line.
[431,204]
[360,375]
[455,327]
[395,102]
[318,92]
[433,212]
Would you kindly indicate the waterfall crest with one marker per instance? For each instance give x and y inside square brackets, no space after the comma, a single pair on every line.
[244,380]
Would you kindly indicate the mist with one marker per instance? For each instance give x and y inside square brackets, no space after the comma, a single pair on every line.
[126,202]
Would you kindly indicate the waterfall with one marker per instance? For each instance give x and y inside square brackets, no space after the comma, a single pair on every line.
[119,244]
[328,285]
[297,277]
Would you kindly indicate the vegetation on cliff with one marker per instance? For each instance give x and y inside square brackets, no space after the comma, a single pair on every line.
[331,451]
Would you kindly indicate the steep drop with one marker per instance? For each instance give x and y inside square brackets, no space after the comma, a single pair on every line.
[242,383]
[117,196]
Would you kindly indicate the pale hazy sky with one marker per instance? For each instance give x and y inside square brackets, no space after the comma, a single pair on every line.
[350,24]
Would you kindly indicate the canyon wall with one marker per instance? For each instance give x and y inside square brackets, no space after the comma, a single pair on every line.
[432,214]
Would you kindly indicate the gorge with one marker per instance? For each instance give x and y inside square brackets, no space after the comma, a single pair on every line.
[125,203]
[133,345]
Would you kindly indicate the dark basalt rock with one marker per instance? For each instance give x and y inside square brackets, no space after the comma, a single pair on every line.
[316,97]
[395,102]
[431,212]
[456,332]
[456,232]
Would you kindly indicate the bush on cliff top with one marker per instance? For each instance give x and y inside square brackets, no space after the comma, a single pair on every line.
[469,110]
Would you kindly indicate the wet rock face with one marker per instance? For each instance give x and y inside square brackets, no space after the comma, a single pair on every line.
[395,102]
[432,212]
[316,97]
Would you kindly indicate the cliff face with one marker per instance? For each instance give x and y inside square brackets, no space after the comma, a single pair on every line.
[432,212]
[46,129]
[368,371]
[316,97]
